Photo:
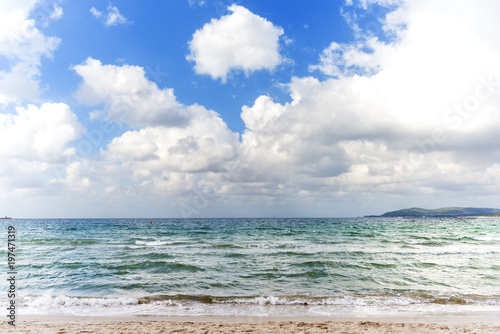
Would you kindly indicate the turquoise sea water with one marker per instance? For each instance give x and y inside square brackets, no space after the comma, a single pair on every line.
[358,266]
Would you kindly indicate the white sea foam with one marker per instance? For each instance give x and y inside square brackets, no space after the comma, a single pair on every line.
[332,301]
[47,304]
[262,306]
[486,238]
[68,305]
[152,243]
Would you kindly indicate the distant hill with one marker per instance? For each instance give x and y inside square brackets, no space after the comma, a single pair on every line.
[443,212]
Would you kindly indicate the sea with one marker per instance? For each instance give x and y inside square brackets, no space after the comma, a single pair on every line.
[328,267]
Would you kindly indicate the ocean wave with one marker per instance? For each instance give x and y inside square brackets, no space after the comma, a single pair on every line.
[92,306]
[160,264]
[226,246]
[58,241]
[153,243]
[291,253]
[367,300]
[235,255]
[487,239]
[241,305]
[472,239]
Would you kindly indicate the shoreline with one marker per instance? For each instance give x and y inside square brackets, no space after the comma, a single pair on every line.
[438,319]
[46,324]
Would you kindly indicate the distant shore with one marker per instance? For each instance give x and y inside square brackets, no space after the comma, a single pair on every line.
[213,324]
[449,212]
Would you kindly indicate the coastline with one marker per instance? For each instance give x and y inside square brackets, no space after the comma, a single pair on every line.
[252,324]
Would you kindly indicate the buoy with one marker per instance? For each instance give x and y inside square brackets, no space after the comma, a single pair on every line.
[150,222]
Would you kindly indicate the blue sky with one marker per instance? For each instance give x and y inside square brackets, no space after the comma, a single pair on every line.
[156,38]
[193,108]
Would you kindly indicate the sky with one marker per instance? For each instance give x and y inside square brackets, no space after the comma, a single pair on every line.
[247,108]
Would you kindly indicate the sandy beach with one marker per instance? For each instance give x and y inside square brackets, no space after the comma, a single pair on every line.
[108,325]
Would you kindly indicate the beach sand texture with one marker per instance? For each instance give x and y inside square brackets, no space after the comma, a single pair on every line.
[220,326]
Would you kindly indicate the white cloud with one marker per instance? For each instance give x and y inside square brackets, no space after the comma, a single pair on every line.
[39,133]
[112,17]
[262,114]
[21,40]
[363,57]
[34,141]
[19,83]
[203,146]
[57,13]
[196,3]
[176,142]
[417,114]
[95,12]
[237,41]
[366,3]
[24,46]
[128,96]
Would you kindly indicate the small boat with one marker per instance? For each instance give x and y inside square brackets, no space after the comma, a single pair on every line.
[5,217]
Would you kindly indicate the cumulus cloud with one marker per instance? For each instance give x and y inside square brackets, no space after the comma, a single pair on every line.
[33,141]
[203,146]
[363,57]
[20,39]
[128,96]
[112,17]
[417,113]
[34,137]
[24,46]
[175,148]
[238,41]
[39,133]
[20,82]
